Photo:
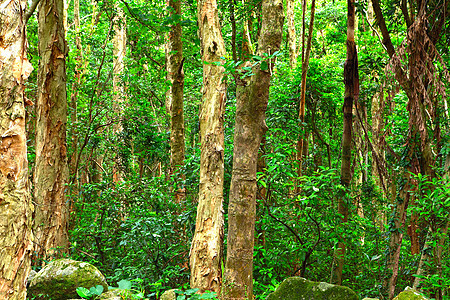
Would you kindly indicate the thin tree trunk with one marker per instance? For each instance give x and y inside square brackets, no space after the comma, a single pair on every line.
[175,75]
[73,172]
[51,171]
[292,36]
[119,51]
[351,80]
[15,201]
[250,127]
[207,244]
[306,51]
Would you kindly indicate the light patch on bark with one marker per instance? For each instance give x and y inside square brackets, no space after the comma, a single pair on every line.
[15,200]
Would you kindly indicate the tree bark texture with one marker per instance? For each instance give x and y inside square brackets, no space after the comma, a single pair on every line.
[351,80]
[51,171]
[250,128]
[119,51]
[15,201]
[292,36]
[175,75]
[207,245]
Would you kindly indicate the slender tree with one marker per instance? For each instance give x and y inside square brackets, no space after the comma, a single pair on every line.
[51,171]
[175,74]
[292,36]
[250,128]
[15,201]
[119,51]
[306,51]
[207,248]
[351,80]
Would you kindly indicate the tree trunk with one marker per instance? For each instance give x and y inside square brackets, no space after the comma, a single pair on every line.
[51,171]
[351,80]
[292,36]
[175,74]
[306,50]
[119,51]
[15,201]
[250,127]
[73,172]
[207,244]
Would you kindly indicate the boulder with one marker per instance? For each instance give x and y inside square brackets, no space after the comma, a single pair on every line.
[60,278]
[169,295]
[298,288]
[116,294]
[410,294]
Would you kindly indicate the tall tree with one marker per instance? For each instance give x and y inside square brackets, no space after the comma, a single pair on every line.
[292,36]
[51,171]
[351,80]
[207,244]
[306,51]
[251,105]
[119,51]
[175,74]
[15,200]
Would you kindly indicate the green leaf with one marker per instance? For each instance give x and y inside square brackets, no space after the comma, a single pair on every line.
[264,66]
[124,284]
[83,292]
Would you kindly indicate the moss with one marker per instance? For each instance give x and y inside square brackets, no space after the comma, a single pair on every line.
[410,294]
[60,278]
[297,288]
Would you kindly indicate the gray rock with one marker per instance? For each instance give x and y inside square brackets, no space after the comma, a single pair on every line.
[298,288]
[168,295]
[31,276]
[60,278]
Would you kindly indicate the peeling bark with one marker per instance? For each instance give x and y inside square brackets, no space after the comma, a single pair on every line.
[51,171]
[206,249]
[15,201]
[251,105]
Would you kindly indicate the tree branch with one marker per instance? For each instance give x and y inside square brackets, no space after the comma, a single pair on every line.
[31,10]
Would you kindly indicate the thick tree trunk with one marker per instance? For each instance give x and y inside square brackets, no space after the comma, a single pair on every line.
[15,201]
[119,51]
[207,245]
[175,74]
[351,80]
[250,127]
[51,171]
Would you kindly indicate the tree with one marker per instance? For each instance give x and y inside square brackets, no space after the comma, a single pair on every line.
[51,171]
[119,52]
[351,80]
[175,74]
[207,248]
[15,201]
[251,105]
[306,51]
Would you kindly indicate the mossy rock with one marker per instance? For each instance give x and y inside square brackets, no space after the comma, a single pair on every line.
[169,295]
[410,294]
[298,288]
[116,294]
[60,278]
